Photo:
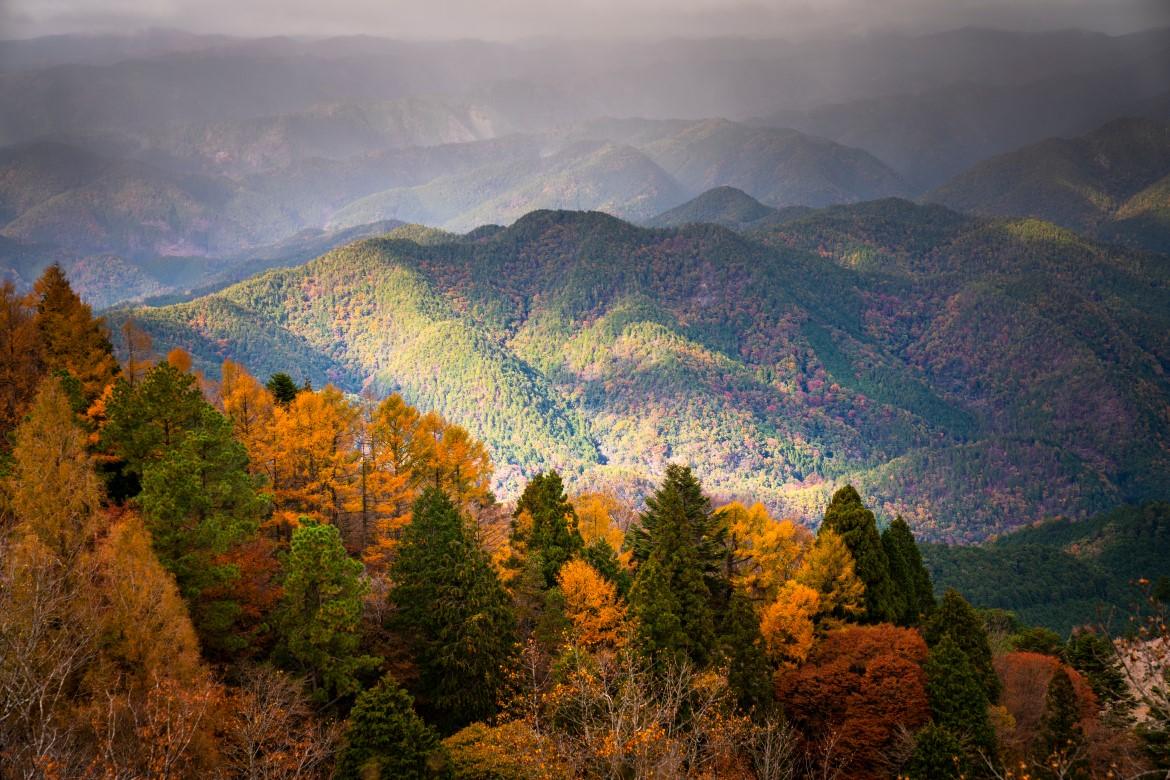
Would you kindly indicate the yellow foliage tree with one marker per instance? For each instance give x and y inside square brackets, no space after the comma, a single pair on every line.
[19,357]
[767,552]
[393,456]
[592,607]
[71,338]
[787,623]
[597,515]
[828,570]
[316,459]
[251,409]
[53,490]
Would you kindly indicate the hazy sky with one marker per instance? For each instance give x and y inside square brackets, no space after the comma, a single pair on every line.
[506,19]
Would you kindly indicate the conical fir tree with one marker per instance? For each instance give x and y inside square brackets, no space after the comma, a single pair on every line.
[691,515]
[956,619]
[453,613]
[912,586]
[385,739]
[72,340]
[670,596]
[553,534]
[857,527]
[957,697]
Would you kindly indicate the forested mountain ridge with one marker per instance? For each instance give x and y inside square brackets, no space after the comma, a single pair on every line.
[914,351]
[1113,183]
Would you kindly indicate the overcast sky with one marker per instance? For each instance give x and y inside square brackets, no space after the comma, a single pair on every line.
[509,19]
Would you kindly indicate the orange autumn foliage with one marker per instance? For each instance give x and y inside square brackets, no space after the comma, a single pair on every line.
[592,606]
[860,686]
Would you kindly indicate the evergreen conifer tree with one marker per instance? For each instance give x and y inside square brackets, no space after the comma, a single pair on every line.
[748,671]
[553,534]
[857,527]
[957,696]
[321,612]
[938,755]
[1060,728]
[385,738]
[283,388]
[955,618]
[453,613]
[913,589]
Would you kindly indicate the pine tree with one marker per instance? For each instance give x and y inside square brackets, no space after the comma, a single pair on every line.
[938,755]
[955,618]
[385,739]
[912,586]
[748,672]
[321,612]
[601,556]
[1095,656]
[149,418]
[552,534]
[200,502]
[957,696]
[453,613]
[856,525]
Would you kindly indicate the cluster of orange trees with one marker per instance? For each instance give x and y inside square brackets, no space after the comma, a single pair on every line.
[241,579]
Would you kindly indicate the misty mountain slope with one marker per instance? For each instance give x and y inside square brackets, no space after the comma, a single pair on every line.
[1111,182]
[930,136]
[944,375]
[777,167]
[592,175]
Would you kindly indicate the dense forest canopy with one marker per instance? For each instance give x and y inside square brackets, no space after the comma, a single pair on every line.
[263,579]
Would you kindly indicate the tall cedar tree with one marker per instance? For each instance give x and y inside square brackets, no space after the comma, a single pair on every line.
[453,613]
[385,739]
[72,340]
[1060,729]
[912,585]
[1095,656]
[748,672]
[553,534]
[200,503]
[958,699]
[680,548]
[320,616]
[955,618]
[857,527]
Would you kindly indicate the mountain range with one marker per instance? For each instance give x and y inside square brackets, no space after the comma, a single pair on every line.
[968,373]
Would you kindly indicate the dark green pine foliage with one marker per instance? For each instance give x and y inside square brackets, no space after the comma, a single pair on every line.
[957,698]
[283,388]
[1095,656]
[956,619]
[149,418]
[199,502]
[748,671]
[1060,738]
[602,557]
[385,739]
[321,610]
[554,536]
[1038,640]
[705,532]
[670,596]
[913,590]
[857,527]
[938,755]
[453,613]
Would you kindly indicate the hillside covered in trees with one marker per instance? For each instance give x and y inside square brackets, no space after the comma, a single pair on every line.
[968,374]
[244,579]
